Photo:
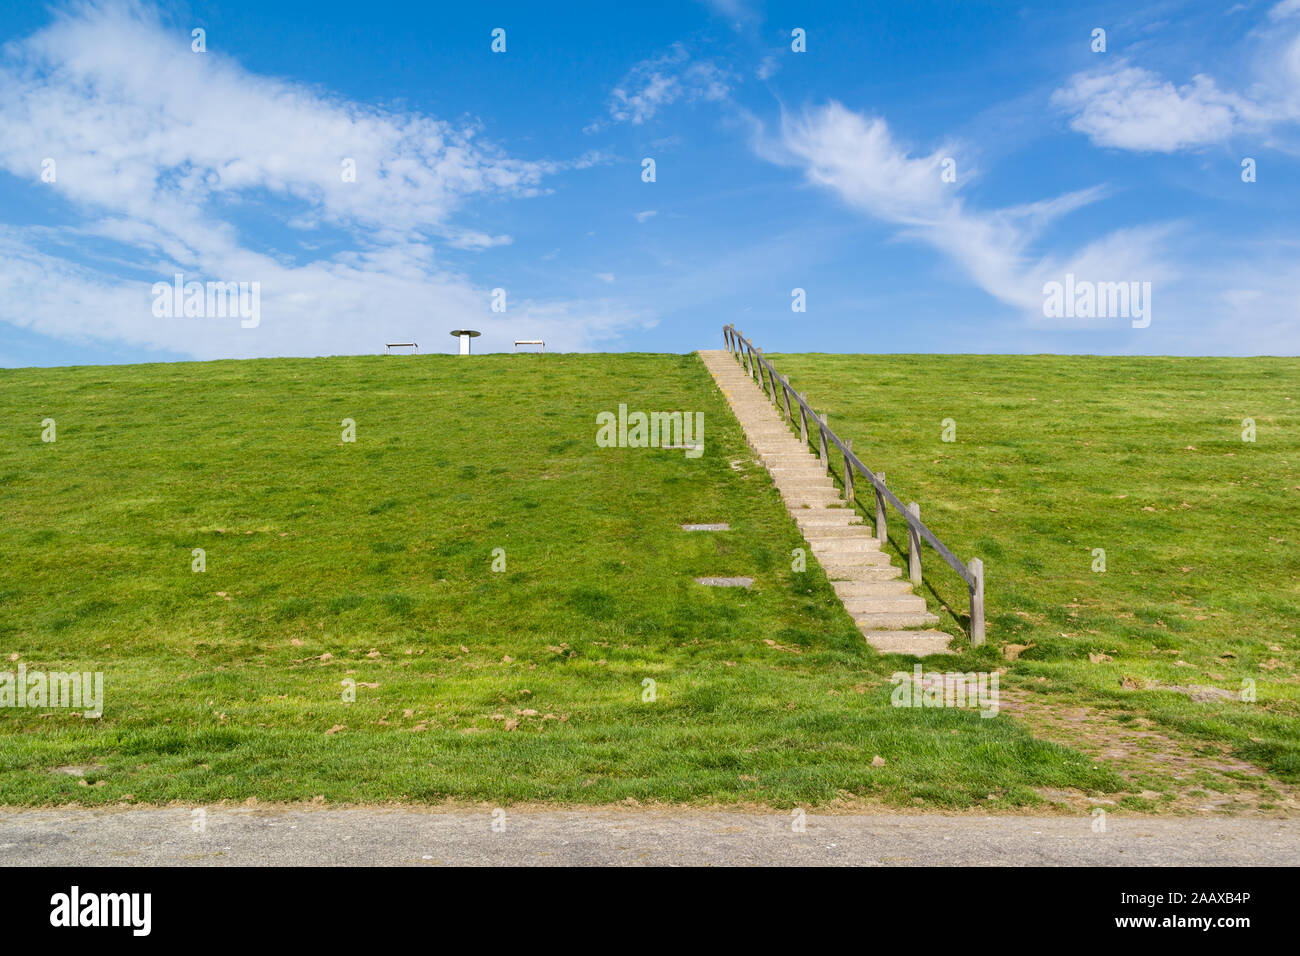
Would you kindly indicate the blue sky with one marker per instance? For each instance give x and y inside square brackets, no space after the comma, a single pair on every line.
[775,170]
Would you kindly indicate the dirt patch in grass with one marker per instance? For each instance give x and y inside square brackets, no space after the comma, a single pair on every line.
[1166,772]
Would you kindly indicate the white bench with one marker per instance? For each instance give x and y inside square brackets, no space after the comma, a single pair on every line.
[389,346]
[519,342]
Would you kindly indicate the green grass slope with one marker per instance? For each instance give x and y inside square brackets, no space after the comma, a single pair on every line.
[1056,456]
[372,562]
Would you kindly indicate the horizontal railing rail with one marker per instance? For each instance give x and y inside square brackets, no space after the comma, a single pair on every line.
[971,572]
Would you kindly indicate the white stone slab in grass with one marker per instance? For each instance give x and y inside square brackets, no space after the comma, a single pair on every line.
[721,526]
[725,582]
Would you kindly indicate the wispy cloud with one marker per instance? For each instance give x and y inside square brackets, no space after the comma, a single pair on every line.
[162,152]
[856,157]
[660,81]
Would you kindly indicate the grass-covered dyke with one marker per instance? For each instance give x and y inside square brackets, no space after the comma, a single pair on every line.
[372,562]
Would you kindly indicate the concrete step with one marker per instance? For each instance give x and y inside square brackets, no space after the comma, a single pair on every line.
[801,470]
[893,622]
[868,572]
[825,499]
[797,468]
[802,499]
[915,643]
[827,532]
[800,473]
[771,446]
[803,476]
[847,560]
[804,487]
[845,549]
[828,518]
[814,481]
[846,590]
[885,604]
[837,570]
[762,451]
[842,544]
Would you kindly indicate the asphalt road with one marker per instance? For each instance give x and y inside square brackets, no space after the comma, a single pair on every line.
[266,836]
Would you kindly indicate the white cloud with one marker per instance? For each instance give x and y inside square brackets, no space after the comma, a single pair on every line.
[155,146]
[647,214]
[1132,108]
[856,157]
[1236,301]
[663,80]
[348,305]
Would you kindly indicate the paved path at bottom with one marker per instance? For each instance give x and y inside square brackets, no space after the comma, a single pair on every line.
[278,836]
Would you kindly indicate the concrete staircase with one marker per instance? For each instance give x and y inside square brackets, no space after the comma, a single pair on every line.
[872,589]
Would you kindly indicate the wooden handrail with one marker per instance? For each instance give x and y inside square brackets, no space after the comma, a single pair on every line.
[972,573]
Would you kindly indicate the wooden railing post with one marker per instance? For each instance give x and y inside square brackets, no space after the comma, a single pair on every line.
[803,421]
[848,472]
[785,391]
[914,544]
[822,451]
[976,567]
[882,533]
[726,337]
[749,361]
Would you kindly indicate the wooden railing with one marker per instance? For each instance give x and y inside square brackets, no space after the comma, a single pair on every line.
[972,572]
